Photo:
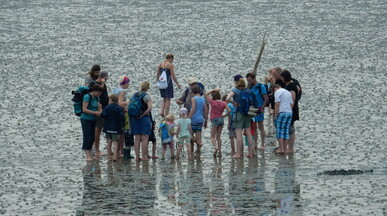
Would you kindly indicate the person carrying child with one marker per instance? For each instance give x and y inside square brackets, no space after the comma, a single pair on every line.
[113,125]
[167,131]
[216,117]
[183,133]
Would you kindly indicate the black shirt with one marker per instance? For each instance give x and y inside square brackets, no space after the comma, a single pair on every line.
[104,98]
[293,87]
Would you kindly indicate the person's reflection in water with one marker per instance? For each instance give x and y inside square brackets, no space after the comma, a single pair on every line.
[198,192]
[93,190]
[287,192]
[236,191]
[218,201]
[168,183]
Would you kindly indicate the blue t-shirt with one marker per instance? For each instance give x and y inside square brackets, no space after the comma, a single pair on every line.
[93,106]
[258,94]
[198,117]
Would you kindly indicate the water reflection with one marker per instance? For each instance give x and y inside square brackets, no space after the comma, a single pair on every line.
[217,187]
[286,189]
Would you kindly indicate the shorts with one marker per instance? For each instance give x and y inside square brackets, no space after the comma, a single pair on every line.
[259,118]
[242,121]
[99,122]
[111,136]
[152,137]
[231,133]
[217,122]
[197,127]
[170,144]
[184,140]
[291,130]
[282,125]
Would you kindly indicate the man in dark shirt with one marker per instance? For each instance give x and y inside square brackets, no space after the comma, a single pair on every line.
[294,89]
[104,100]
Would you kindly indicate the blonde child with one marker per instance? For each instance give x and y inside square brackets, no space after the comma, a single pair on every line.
[167,131]
[113,126]
[183,133]
[217,118]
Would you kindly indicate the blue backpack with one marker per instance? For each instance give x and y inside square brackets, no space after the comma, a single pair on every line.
[136,105]
[246,100]
[78,99]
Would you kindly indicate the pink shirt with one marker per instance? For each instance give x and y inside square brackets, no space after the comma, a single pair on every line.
[217,108]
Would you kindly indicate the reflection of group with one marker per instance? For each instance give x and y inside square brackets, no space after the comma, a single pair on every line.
[192,189]
[129,120]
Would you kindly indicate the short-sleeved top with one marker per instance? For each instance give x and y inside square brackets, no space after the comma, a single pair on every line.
[93,106]
[237,95]
[293,87]
[184,131]
[104,98]
[217,108]
[118,90]
[198,117]
[88,80]
[258,91]
[284,97]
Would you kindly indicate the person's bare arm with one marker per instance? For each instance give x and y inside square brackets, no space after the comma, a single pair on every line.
[276,109]
[205,116]
[158,73]
[178,131]
[229,96]
[172,69]
[121,101]
[193,108]
[85,104]
[293,98]
[147,111]
[228,110]
[266,101]
[190,130]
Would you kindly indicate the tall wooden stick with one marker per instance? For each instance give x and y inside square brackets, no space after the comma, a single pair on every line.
[259,54]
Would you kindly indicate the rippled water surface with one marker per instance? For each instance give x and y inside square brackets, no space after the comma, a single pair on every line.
[336,49]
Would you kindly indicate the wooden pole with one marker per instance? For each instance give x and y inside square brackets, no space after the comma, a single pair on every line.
[260,54]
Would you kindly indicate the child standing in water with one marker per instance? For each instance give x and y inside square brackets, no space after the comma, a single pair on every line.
[167,131]
[198,116]
[230,126]
[184,132]
[113,126]
[216,117]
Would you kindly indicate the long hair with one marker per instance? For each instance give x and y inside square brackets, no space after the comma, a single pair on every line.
[93,70]
[241,84]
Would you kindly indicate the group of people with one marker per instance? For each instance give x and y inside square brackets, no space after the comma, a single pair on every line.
[127,120]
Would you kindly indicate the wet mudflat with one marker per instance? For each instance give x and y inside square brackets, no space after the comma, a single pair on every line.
[336,49]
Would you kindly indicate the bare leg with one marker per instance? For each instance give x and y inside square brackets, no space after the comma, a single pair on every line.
[250,142]
[121,140]
[214,131]
[144,144]
[89,157]
[167,105]
[172,151]
[178,151]
[232,143]
[291,143]
[163,152]
[154,150]
[239,143]
[137,139]
[218,139]
[255,139]
[109,149]
[263,135]
[96,141]
[199,141]
[162,107]
[115,150]
[189,151]
[281,149]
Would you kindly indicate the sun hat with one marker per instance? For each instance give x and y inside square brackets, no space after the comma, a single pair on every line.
[192,80]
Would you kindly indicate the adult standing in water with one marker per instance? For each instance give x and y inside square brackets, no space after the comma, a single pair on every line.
[241,121]
[90,109]
[187,95]
[141,127]
[92,74]
[167,94]
[104,100]
[292,87]
[123,83]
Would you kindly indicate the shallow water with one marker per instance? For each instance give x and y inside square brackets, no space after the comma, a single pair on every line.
[336,49]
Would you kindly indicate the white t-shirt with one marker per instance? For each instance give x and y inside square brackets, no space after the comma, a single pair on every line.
[284,97]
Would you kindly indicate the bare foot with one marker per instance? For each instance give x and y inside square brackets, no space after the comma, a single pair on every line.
[154,157]
[114,159]
[162,115]
[95,158]
[220,154]
[100,154]
[120,156]
[262,147]
[138,159]
[236,156]
[89,159]
[216,151]
[145,159]
[250,156]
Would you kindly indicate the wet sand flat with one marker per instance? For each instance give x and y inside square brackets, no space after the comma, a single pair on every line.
[336,49]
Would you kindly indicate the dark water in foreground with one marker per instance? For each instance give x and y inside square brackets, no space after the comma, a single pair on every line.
[336,49]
